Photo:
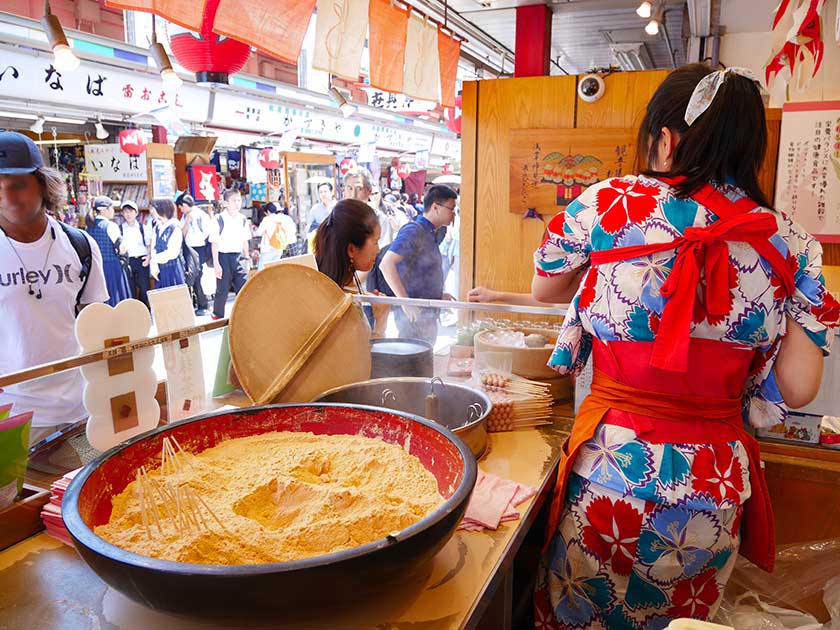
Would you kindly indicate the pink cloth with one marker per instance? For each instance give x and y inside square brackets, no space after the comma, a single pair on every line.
[494,501]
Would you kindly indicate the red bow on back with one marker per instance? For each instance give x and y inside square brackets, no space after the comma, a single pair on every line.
[703,249]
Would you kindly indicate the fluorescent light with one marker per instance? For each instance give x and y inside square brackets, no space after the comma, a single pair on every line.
[69,121]
[652,28]
[63,141]
[644,10]
[38,125]
[429,126]
[17,115]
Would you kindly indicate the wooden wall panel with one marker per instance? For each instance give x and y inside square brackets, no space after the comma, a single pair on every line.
[469,129]
[623,103]
[504,242]
[767,174]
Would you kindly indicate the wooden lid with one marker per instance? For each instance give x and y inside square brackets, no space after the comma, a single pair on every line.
[294,335]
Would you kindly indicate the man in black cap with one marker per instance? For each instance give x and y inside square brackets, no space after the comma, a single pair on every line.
[48,270]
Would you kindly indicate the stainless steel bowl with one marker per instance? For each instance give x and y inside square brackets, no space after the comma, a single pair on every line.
[462,409]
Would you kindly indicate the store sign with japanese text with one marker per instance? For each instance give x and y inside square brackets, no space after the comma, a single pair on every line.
[255,114]
[95,87]
[110,163]
[808,175]
[396,102]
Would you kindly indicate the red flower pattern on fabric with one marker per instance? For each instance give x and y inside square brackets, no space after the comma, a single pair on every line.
[623,202]
[613,533]
[827,313]
[776,281]
[587,294]
[718,472]
[544,618]
[693,598]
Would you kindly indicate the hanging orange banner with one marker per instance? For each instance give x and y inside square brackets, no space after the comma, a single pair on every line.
[186,13]
[276,27]
[388,25]
[449,51]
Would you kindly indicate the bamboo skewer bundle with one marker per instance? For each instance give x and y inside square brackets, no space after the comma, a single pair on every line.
[517,402]
[163,500]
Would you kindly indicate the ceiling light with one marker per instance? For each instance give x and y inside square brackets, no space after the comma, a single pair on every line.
[644,10]
[652,27]
[65,60]
[170,78]
[62,141]
[101,132]
[346,108]
[38,125]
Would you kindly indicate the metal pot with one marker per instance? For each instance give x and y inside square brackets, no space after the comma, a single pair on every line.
[401,357]
[462,409]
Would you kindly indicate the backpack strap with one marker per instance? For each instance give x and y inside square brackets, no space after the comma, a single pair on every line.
[221,222]
[81,245]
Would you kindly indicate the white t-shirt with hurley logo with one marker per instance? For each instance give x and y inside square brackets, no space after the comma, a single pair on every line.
[35,331]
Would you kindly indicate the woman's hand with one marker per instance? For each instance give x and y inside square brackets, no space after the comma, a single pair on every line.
[483,295]
[218,269]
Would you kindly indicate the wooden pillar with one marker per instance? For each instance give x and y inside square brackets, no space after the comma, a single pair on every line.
[533,41]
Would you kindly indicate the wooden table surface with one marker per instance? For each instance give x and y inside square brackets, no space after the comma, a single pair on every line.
[45,584]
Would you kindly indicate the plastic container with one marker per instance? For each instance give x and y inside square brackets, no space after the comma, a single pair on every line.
[14,453]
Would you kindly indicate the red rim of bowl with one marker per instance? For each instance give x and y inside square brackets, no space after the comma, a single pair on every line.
[84,535]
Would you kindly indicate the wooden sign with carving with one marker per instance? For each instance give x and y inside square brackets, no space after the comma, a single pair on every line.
[550,167]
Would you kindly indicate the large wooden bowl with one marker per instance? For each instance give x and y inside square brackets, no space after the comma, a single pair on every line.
[527,362]
[341,578]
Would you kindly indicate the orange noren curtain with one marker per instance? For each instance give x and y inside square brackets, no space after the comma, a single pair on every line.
[388,25]
[181,12]
[449,51]
[276,27]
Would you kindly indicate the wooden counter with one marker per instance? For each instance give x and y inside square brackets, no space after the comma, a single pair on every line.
[44,584]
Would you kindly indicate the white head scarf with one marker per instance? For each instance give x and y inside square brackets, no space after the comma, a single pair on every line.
[707,88]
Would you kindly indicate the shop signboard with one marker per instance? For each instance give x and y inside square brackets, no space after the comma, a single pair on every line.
[551,167]
[255,114]
[808,176]
[96,87]
[110,163]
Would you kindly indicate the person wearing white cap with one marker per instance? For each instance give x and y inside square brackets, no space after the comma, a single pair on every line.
[100,225]
[48,271]
[137,240]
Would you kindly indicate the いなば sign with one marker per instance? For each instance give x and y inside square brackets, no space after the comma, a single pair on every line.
[808,176]
[110,163]
[551,167]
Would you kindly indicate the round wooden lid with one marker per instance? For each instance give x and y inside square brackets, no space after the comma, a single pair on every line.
[295,334]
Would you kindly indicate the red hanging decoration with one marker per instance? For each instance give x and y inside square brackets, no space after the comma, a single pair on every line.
[211,57]
[132,141]
[270,158]
[447,169]
[404,170]
[453,116]
[346,165]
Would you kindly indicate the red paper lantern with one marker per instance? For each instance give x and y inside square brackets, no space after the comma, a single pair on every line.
[447,169]
[213,58]
[270,158]
[453,116]
[132,141]
[404,170]
[346,165]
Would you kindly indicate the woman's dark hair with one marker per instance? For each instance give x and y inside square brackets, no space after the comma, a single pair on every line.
[727,141]
[185,199]
[351,222]
[164,207]
[271,208]
[327,184]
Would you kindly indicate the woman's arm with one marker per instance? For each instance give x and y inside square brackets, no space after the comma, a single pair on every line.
[558,289]
[798,367]
[484,295]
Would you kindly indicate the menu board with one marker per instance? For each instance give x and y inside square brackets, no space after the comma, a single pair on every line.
[163,180]
[808,176]
[551,167]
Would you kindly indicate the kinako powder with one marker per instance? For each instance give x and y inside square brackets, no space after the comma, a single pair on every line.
[280,496]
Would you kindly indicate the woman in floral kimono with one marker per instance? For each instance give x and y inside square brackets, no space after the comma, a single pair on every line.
[702,308]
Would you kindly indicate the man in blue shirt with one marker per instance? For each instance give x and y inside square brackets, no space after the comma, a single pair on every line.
[413,268]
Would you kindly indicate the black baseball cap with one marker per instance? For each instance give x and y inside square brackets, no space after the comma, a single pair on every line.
[19,155]
[185,199]
[102,202]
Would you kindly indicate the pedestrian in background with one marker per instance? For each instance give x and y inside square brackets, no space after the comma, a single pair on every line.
[137,240]
[167,266]
[100,225]
[195,225]
[229,236]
